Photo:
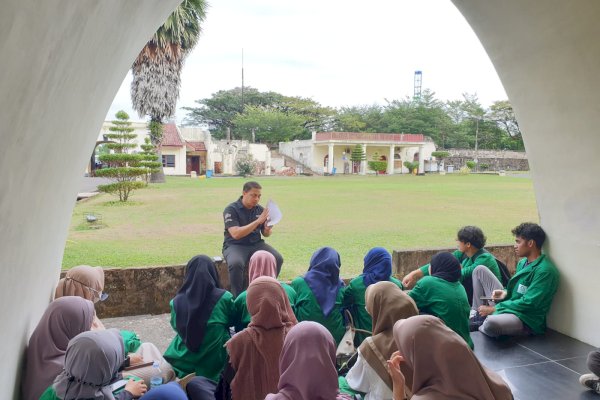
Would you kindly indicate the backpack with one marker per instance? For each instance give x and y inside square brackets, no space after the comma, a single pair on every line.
[504,272]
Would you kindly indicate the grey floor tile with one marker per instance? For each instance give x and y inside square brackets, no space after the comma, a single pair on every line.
[555,345]
[499,354]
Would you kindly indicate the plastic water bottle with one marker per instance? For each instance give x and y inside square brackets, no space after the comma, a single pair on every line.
[156,379]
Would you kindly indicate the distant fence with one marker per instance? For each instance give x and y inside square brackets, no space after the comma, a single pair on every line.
[148,290]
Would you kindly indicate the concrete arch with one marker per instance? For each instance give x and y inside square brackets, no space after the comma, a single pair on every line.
[62,63]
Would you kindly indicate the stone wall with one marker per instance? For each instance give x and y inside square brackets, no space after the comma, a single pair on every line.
[148,290]
[495,159]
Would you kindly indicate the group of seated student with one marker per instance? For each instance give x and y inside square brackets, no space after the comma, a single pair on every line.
[285,340]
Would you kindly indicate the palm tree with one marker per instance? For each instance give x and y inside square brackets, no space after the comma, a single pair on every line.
[157,69]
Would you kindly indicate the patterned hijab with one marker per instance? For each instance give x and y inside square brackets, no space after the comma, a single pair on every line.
[386,303]
[64,319]
[255,351]
[92,363]
[377,266]
[323,278]
[443,365]
[307,364]
[194,302]
[262,263]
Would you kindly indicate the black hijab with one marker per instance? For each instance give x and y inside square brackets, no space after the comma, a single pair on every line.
[195,301]
[445,266]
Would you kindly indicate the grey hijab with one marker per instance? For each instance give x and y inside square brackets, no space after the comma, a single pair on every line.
[92,363]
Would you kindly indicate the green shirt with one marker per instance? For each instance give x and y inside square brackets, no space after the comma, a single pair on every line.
[49,394]
[242,316]
[482,257]
[354,298]
[131,341]
[530,291]
[308,309]
[210,359]
[447,301]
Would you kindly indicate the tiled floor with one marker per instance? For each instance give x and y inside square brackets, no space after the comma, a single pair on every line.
[539,367]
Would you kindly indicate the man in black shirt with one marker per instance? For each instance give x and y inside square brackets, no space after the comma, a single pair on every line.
[245,221]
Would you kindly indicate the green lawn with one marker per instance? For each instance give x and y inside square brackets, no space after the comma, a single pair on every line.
[168,224]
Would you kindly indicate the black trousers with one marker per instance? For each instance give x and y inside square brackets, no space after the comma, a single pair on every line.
[237,257]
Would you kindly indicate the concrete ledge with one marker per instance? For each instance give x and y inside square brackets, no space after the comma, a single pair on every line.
[148,290]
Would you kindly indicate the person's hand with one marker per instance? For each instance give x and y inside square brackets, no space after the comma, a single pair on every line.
[498,294]
[262,218]
[267,230]
[135,359]
[398,379]
[484,311]
[136,388]
[409,280]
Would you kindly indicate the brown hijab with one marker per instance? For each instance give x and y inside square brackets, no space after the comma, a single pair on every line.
[254,352]
[64,319]
[83,281]
[262,263]
[386,303]
[444,367]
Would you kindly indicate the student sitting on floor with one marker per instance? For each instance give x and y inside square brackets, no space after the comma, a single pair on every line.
[64,319]
[307,365]
[520,309]
[592,380]
[88,282]
[262,263]
[201,314]
[470,254]
[442,295]
[377,268]
[320,292]
[387,304]
[442,365]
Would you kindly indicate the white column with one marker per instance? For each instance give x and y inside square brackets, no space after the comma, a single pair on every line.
[268,163]
[363,163]
[390,166]
[421,160]
[330,158]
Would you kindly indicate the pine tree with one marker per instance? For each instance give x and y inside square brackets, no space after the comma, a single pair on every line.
[358,154]
[123,168]
[149,158]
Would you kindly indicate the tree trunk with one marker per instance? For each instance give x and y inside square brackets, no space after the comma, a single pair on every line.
[159,176]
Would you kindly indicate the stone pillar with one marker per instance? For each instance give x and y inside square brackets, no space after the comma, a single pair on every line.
[363,163]
[390,166]
[421,160]
[330,158]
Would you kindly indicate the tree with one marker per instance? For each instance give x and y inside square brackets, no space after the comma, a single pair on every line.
[149,159]
[439,156]
[123,168]
[157,69]
[377,164]
[270,126]
[245,165]
[502,113]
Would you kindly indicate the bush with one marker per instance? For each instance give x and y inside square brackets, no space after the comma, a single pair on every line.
[440,155]
[378,166]
[465,170]
[245,166]
[483,167]
[471,164]
[411,166]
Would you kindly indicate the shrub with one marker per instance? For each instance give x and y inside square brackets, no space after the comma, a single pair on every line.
[245,165]
[483,167]
[471,164]
[465,170]
[411,166]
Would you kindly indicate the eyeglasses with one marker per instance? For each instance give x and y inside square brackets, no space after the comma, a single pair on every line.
[100,295]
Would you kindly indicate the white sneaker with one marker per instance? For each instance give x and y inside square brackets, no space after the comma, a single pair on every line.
[590,381]
[472,313]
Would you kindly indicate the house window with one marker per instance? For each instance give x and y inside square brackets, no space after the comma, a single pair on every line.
[168,160]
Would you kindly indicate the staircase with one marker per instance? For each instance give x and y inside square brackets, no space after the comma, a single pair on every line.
[290,162]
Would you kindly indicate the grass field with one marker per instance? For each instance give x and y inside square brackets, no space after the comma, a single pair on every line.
[168,224]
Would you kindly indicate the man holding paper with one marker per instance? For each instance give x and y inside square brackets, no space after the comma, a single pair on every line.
[245,223]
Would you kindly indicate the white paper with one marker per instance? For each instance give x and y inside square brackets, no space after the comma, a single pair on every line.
[275,214]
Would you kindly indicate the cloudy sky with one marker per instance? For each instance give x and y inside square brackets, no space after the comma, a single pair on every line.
[337,52]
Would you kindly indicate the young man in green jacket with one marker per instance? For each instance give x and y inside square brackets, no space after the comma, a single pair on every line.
[470,254]
[521,308]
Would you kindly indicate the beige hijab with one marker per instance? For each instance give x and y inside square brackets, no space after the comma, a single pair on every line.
[444,367]
[386,303]
[78,281]
[254,352]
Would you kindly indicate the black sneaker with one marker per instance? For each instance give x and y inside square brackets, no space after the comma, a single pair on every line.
[475,322]
[590,381]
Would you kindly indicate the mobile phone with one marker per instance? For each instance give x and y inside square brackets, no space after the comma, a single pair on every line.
[486,298]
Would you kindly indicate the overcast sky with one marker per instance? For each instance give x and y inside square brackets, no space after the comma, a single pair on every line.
[337,52]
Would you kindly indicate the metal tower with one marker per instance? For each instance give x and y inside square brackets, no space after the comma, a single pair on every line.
[418,83]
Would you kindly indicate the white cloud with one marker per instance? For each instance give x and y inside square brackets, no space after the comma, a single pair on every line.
[336,52]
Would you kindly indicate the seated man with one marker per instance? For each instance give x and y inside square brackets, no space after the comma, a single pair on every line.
[470,253]
[520,309]
[245,220]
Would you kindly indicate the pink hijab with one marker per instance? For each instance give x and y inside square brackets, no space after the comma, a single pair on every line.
[64,319]
[444,367]
[307,364]
[262,263]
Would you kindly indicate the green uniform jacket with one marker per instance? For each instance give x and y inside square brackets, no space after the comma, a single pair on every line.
[482,257]
[447,301]
[209,361]
[308,309]
[354,299]
[530,291]
[49,394]
[242,316]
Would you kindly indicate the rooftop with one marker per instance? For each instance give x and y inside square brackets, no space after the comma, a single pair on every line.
[370,137]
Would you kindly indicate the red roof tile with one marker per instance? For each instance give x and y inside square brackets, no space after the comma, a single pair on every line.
[373,137]
[195,146]
[171,136]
